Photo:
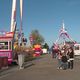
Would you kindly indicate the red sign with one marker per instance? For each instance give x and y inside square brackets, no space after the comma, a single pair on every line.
[7,35]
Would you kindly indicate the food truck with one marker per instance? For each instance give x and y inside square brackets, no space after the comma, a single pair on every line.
[6,45]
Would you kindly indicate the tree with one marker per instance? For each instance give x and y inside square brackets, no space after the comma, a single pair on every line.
[37,38]
[46,46]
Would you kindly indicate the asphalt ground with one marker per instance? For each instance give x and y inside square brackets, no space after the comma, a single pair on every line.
[44,68]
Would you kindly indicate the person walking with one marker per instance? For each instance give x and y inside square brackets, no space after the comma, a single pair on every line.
[53,52]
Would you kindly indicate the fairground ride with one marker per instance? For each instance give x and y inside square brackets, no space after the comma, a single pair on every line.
[63,36]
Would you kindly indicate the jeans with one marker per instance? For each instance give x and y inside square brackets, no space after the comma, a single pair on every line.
[64,65]
[59,63]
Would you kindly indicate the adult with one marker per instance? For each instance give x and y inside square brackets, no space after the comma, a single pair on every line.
[71,58]
[59,58]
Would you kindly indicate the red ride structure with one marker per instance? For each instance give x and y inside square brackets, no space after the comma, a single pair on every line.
[63,35]
[67,41]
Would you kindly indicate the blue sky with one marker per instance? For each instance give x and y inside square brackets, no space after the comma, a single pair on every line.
[45,16]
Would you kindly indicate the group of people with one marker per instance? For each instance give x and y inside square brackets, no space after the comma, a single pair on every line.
[65,57]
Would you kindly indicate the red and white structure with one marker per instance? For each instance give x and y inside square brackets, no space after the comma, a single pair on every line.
[63,35]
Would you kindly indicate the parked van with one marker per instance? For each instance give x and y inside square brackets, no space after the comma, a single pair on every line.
[76,49]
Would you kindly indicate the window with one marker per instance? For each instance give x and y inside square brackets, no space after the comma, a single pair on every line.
[3,45]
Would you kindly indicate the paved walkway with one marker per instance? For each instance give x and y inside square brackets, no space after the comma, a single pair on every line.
[44,68]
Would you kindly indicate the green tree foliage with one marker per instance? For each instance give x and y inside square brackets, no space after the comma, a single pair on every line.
[46,46]
[37,37]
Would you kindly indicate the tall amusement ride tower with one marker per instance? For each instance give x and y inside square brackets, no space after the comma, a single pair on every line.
[13,16]
[13,20]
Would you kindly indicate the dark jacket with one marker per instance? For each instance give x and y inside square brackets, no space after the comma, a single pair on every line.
[64,59]
[71,55]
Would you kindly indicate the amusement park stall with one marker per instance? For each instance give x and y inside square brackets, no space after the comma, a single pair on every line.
[6,46]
